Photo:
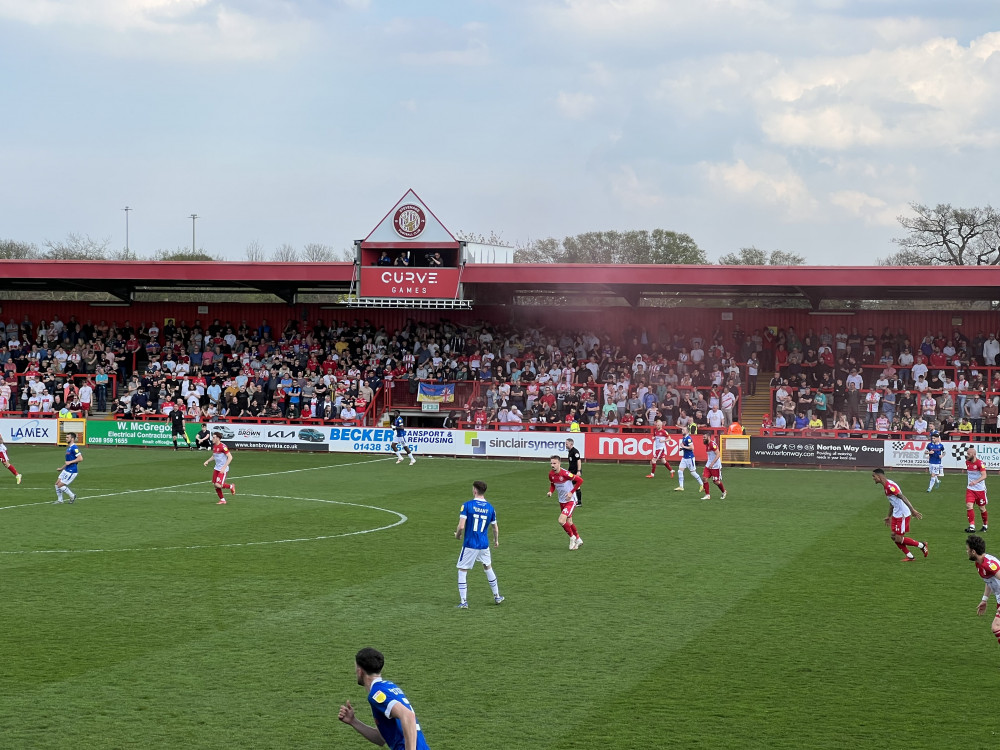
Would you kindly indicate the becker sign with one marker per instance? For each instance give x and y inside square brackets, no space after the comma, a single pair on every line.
[410,282]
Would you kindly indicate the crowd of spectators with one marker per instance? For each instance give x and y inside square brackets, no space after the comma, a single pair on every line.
[320,371]
[885,383]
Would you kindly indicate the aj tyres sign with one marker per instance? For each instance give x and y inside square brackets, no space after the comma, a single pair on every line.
[913,454]
[439,283]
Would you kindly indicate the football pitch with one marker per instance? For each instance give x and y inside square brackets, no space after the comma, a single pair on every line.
[146,616]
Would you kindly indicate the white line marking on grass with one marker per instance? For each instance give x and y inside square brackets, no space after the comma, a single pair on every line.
[401,520]
[189,484]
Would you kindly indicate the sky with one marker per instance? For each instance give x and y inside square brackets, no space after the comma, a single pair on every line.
[787,125]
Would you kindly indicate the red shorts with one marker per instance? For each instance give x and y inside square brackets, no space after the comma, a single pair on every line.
[566,509]
[219,477]
[976,497]
[900,526]
[660,454]
[712,473]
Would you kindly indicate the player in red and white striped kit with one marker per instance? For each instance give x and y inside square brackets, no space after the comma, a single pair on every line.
[975,494]
[566,484]
[988,568]
[713,468]
[659,449]
[898,519]
[5,460]
[223,458]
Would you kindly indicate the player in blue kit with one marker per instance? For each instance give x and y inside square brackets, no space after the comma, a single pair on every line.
[687,460]
[395,721]
[400,444]
[934,451]
[70,469]
[474,520]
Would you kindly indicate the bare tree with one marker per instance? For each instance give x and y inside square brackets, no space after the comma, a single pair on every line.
[77,247]
[314,252]
[183,253]
[255,252]
[285,254]
[753,256]
[16,250]
[492,239]
[657,246]
[945,235]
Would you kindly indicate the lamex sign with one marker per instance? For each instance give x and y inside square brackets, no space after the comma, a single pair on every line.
[287,437]
[636,447]
[138,433]
[439,283]
[41,431]
[379,440]
[521,444]
[912,454]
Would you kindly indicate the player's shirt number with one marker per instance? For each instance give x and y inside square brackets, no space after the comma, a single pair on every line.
[479,522]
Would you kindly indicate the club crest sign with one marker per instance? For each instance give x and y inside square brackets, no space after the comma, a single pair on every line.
[409,221]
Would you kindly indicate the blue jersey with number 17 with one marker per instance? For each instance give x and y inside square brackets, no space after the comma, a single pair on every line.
[935,450]
[478,515]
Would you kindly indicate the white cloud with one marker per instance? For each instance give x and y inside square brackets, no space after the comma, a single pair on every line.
[872,210]
[475,53]
[188,30]
[775,185]
[575,106]
[633,192]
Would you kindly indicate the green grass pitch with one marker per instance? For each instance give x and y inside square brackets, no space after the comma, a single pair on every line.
[146,616]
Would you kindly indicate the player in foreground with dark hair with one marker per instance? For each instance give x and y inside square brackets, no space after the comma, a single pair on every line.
[898,519]
[396,723]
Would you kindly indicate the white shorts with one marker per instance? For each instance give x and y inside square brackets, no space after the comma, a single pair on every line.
[67,477]
[936,470]
[470,556]
[688,463]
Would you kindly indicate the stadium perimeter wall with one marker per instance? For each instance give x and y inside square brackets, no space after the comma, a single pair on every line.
[766,451]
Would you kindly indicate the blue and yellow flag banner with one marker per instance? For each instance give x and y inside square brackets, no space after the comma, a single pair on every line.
[443,393]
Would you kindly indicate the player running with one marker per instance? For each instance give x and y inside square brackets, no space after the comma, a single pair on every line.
[713,468]
[898,519]
[573,458]
[975,493]
[223,458]
[70,469]
[659,449]
[177,425]
[474,520]
[5,460]
[934,451]
[400,444]
[567,484]
[687,459]
[988,568]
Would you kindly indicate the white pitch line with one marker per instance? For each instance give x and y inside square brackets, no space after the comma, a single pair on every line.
[191,484]
[402,519]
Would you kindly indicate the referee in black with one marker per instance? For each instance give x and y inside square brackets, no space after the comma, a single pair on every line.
[177,424]
[574,465]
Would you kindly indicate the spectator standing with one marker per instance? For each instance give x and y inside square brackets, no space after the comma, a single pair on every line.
[974,410]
